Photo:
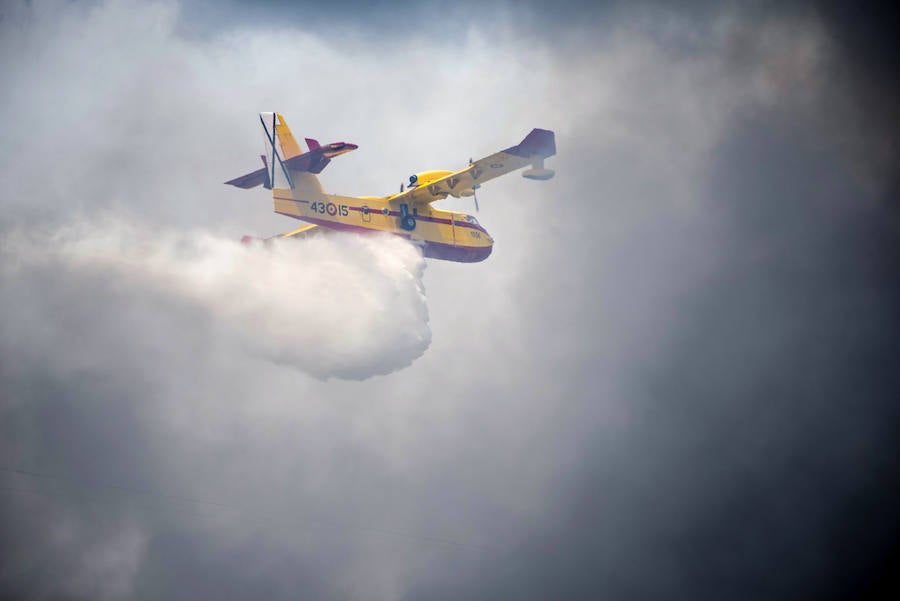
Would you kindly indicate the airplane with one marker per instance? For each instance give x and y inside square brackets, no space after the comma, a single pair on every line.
[409,213]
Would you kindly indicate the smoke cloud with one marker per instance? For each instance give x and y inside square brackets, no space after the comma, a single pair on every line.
[674,374]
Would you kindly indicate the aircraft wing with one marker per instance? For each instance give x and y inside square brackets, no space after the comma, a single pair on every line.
[300,232]
[537,145]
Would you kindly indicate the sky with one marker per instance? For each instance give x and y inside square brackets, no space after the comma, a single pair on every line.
[674,377]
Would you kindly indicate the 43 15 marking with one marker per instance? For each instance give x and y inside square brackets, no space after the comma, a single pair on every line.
[329,208]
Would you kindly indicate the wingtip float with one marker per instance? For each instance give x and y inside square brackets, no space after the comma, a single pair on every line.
[447,235]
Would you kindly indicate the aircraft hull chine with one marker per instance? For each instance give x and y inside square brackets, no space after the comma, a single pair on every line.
[458,254]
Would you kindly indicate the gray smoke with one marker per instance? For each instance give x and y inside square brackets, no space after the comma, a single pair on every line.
[674,374]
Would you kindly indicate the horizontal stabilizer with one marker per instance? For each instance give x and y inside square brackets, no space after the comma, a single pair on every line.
[317,159]
[251,180]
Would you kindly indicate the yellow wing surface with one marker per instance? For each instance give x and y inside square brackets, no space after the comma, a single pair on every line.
[430,186]
[300,232]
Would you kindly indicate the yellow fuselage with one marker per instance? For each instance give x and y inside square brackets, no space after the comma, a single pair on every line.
[442,234]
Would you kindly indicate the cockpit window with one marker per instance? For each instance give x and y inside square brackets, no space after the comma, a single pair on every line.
[471,219]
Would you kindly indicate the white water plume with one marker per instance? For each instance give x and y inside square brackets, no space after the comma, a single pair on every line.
[345,306]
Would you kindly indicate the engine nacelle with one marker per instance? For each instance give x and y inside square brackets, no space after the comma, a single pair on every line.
[426,177]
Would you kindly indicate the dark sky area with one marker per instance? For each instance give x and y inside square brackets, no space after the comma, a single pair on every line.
[675,377]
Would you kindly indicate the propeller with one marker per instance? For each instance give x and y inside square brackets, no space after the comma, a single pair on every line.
[474,191]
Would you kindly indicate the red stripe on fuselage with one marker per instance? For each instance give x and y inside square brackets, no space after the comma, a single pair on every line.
[467,224]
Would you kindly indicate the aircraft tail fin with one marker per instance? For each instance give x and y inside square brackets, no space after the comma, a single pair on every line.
[279,134]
